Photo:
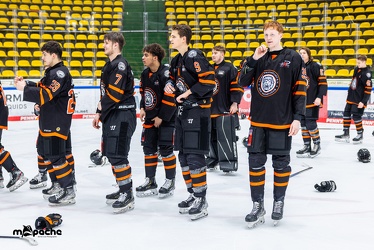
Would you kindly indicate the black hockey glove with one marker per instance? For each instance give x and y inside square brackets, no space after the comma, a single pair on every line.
[50,221]
[326,186]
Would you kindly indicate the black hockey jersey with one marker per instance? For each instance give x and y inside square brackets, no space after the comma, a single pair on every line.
[4,111]
[227,89]
[55,96]
[154,100]
[360,88]
[116,86]
[278,89]
[192,71]
[316,83]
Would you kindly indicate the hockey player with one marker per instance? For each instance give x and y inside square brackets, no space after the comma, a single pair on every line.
[193,84]
[116,112]
[316,88]
[277,105]
[359,92]
[55,96]
[17,178]
[157,111]
[226,98]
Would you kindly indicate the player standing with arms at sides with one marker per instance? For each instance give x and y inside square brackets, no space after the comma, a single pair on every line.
[116,112]
[226,98]
[157,111]
[277,105]
[359,92]
[55,96]
[316,85]
[193,85]
[17,178]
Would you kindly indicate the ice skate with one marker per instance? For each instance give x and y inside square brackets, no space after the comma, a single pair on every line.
[1,180]
[111,198]
[315,151]
[54,189]
[277,214]
[66,196]
[40,180]
[198,209]
[148,188]
[124,203]
[343,138]
[304,152]
[17,179]
[185,205]
[167,189]
[256,216]
[358,139]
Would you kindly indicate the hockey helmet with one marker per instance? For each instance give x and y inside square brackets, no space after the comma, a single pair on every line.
[96,157]
[363,155]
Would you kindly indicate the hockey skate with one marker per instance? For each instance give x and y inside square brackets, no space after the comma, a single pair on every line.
[66,196]
[198,209]
[1,180]
[358,139]
[54,189]
[185,205]
[40,180]
[167,189]
[277,214]
[343,138]
[148,188]
[124,203]
[304,152]
[17,179]
[256,216]
[315,151]
[111,198]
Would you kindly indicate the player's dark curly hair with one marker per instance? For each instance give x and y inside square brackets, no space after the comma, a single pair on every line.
[183,30]
[115,37]
[52,47]
[307,50]
[156,50]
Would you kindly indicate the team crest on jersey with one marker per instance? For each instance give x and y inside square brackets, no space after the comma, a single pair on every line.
[268,83]
[216,88]
[156,83]
[60,73]
[221,72]
[368,75]
[285,64]
[150,99]
[192,53]
[354,83]
[166,73]
[121,66]
[181,85]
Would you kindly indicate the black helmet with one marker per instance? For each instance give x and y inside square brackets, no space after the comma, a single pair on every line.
[96,157]
[363,155]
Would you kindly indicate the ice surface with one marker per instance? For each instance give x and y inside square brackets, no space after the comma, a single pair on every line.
[312,220]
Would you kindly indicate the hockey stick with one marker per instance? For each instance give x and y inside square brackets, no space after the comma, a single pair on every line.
[303,170]
[29,240]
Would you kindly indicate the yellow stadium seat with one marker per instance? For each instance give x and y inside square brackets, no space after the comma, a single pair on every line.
[8,73]
[22,73]
[10,63]
[24,64]
[87,73]
[349,52]
[36,63]
[236,53]
[77,54]
[231,45]
[75,73]
[340,62]
[330,72]
[75,64]
[100,54]
[197,46]
[22,45]
[25,54]
[347,43]
[362,51]
[370,41]
[99,63]
[336,52]
[208,45]
[88,54]
[68,45]
[312,43]
[242,45]
[343,73]
[351,62]
[326,62]
[91,46]
[87,64]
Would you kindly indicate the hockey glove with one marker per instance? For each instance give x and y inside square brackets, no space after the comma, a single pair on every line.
[50,221]
[326,186]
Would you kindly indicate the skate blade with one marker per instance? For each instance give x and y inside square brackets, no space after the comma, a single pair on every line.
[202,214]
[312,156]
[127,208]
[275,222]
[184,210]
[162,196]
[342,140]
[110,201]
[39,185]
[151,192]
[253,224]
[302,156]
[356,142]
[18,184]
[63,203]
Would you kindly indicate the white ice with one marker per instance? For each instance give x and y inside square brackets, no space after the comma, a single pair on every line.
[312,220]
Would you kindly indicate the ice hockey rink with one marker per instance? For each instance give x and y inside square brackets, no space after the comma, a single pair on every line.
[312,220]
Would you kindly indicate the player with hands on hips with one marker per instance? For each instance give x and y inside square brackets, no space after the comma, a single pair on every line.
[157,111]
[277,106]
